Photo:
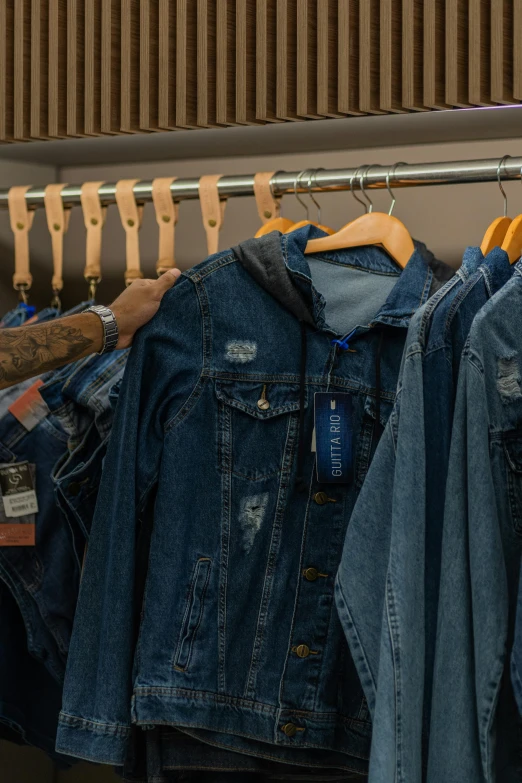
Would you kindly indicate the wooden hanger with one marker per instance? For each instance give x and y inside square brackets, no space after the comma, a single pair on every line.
[373,228]
[498,229]
[512,243]
[268,206]
[307,222]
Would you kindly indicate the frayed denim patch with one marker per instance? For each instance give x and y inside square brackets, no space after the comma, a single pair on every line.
[251,518]
[241,352]
[508,379]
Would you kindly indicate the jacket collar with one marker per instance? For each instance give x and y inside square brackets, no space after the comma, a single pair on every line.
[411,290]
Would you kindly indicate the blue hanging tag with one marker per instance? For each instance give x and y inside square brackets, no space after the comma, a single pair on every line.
[334,437]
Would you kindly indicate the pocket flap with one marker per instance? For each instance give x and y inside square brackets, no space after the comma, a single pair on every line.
[245,396]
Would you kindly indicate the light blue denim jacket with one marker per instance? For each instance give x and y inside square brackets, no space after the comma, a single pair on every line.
[388,578]
[481,556]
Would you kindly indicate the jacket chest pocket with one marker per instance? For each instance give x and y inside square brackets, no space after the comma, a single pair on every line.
[258,425]
[513,452]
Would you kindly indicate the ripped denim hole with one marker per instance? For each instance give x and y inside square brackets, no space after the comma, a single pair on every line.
[508,379]
[251,518]
[241,352]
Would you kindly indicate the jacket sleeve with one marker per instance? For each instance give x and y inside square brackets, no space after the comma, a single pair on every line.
[163,369]
[380,584]
[472,622]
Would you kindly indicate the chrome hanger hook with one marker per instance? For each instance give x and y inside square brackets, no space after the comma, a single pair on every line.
[369,209]
[354,175]
[501,163]
[313,175]
[391,171]
[298,182]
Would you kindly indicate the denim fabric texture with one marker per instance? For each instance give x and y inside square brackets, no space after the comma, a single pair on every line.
[165,754]
[44,579]
[30,698]
[481,556]
[239,640]
[85,410]
[387,592]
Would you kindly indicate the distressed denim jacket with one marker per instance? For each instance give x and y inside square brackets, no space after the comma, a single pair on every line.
[387,593]
[239,641]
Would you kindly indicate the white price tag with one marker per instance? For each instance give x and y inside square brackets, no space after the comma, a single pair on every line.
[20,504]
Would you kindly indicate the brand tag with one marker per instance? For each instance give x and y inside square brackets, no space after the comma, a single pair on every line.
[30,408]
[19,501]
[333,437]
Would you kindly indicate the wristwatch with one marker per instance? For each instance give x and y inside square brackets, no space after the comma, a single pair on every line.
[110,327]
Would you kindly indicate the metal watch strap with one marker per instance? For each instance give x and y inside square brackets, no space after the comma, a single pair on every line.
[110,327]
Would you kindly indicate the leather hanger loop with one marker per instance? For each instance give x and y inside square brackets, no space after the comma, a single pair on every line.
[167,212]
[21,220]
[57,223]
[212,209]
[94,218]
[131,216]
[268,206]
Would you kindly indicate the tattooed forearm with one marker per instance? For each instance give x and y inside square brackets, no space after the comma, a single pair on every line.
[32,350]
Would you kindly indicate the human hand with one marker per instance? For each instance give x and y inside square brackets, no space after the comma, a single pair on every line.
[139,303]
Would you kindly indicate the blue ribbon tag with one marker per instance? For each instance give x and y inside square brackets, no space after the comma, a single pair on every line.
[334,437]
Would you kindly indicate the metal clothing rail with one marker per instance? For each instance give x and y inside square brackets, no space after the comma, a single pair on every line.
[321,180]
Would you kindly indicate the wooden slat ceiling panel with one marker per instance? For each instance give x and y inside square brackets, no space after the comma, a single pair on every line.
[73,68]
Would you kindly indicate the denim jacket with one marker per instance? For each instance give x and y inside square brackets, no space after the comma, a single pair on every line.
[481,555]
[239,640]
[387,595]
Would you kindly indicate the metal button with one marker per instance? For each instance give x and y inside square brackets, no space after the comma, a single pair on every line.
[321,498]
[311,574]
[212,223]
[56,226]
[74,488]
[289,729]
[165,218]
[303,651]
[130,222]
[94,221]
[263,404]
[267,213]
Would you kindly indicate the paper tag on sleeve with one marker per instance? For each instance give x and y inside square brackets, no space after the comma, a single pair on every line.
[18,502]
[334,437]
[30,408]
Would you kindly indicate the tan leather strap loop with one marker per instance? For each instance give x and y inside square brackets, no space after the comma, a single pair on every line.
[268,206]
[212,209]
[167,212]
[131,216]
[94,217]
[57,223]
[21,221]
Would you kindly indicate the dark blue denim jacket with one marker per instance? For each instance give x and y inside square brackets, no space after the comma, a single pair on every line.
[239,634]
[387,596]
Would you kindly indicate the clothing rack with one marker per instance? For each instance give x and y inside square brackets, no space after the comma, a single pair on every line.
[312,180]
